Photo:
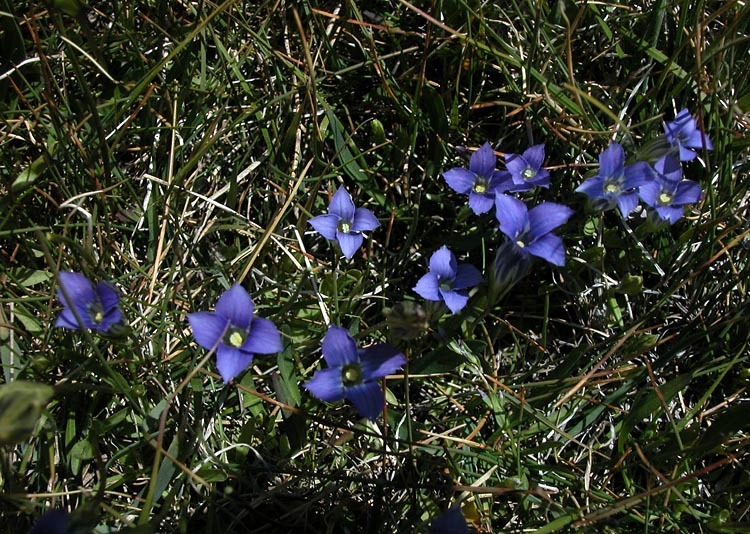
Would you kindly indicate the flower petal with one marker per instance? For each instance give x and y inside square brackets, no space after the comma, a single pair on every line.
[208,328]
[516,164]
[483,161]
[236,306]
[687,192]
[611,161]
[460,180]
[455,300]
[326,384]
[669,169]
[66,319]
[480,203]
[76,288]
[263,337]
[108,296]
[592,188]
[443,263]
[627,202]
[367,398]
[427,287]
[670,213]
[339,348]
[349,242]
[342,204]
[231,361]
[649,192]
[534,156]
[467,276]
[546,217]
[548,247]
[381,360]
[450,522]
[364,220]
[638,174]
[512,215]
[325,225]
[112,317]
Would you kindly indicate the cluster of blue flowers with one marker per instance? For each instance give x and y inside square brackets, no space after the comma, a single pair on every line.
[660,187]
[236,335]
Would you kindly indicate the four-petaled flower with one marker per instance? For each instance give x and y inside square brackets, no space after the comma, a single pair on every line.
[480,181]
[617,184]
[526,170]
[234,333]
[352,373]
[530,230]
[668,193]
[448,281]
[684,134]
[344,222]
[86,306]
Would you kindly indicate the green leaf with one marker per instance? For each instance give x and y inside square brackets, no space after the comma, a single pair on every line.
[21,405]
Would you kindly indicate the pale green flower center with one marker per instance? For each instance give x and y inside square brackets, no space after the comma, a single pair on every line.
[520,243]
[612,188]
[480,185]
[351,374]
[528,173]
[235,337]
[665,198]
[445,284]
[345,226]
[96,312]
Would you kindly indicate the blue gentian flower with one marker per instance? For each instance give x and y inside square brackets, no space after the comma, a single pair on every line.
[480,181]
[344,222]
[683,133]
[669,193]
[617,184]
[526,170]
[353,373]
[96,308]
[529,230]
[448,281]
[451,521]
[234,333]
[52,522]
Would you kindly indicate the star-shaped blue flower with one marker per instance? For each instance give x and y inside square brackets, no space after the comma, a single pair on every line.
[96,308]
[353,373]
[617,184]
[480,181]
[683,133]
[448,281]
[234,333]
[530,230]
[344,222]
[669,193]
[526,169]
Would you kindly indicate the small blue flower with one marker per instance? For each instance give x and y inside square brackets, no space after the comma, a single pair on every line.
[344,222]
[448,281]
[530,230]
[683,133]
[617,184]
[526,170]
[86,306]
[669,193]
[480,181]
[52,522]
[353,373]
[451,521]
[234,333]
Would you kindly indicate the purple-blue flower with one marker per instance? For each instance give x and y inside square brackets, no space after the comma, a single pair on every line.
[96,308]
[526,169]
[448,281]
[234,333]
[52,522]
[669,193]
[530,230]
[345,222]
[617,184]
[480,181]
[684,134]
[353,373]
[451,521]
